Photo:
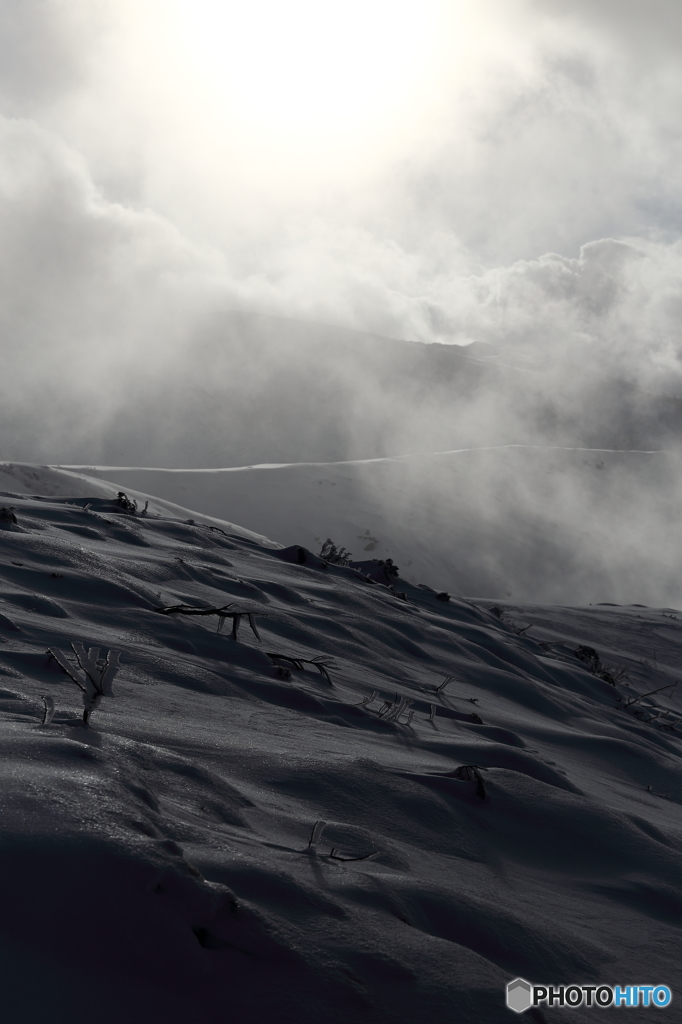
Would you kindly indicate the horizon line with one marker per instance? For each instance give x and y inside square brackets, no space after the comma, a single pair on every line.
[355,462]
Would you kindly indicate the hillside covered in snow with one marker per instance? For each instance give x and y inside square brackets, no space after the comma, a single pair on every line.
[511,522]
[307,795]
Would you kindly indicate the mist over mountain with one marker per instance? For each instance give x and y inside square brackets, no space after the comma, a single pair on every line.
[257,389]
[190,241]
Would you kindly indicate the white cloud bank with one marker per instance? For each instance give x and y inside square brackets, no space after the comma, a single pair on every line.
[525,193]
[519,186]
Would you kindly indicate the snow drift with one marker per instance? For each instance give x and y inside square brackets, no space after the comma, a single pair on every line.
[240,836]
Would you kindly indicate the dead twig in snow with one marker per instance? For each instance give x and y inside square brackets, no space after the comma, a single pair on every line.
[641,696]
[446,681]
[188,609]
[397,710]
[368,700]
[236,622]
[452,679]
[94,675]
[320,662]
[48,713]
[316,834]
[471,773]
[228,611]
[334,856]
[522,630]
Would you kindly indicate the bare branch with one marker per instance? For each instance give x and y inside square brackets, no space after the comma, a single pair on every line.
[320,662]
[49,710]
[334,856]
[641,696]
[368,700]
[316,834]
[446,681]
[227,611]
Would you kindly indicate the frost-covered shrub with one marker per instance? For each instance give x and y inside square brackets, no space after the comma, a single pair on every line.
[335,556]
[94,675]
[129,504]
[592,662]
[388,567]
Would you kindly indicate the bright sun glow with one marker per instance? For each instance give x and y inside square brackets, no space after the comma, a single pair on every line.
[309,65]
[245,108]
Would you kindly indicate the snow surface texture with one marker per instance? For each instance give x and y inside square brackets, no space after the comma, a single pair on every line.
[169,863]
[525,523]
[43,480]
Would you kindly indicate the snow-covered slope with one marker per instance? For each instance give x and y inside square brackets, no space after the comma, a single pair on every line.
[21,478]
[157,866]
[529,524]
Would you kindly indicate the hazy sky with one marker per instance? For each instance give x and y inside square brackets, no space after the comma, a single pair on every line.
[503,171]
[464,170]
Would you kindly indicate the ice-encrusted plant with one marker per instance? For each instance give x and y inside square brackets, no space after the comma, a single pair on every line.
[48,712]
[471,773]
[130,505]
[612,674]
[391,570]
[452,679]
[507,620]
[368,700]
[396,709]
[93,675]
[446,682]
[335,556]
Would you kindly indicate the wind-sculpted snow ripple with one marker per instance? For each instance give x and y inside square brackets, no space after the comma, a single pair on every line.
[452,799]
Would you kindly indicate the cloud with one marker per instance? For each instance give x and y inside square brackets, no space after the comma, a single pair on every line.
[537,209]
[77,265]
[90,292]
[539,127]
[84,275]
[43,47]
[175,291]
[616,305]
[651,31]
